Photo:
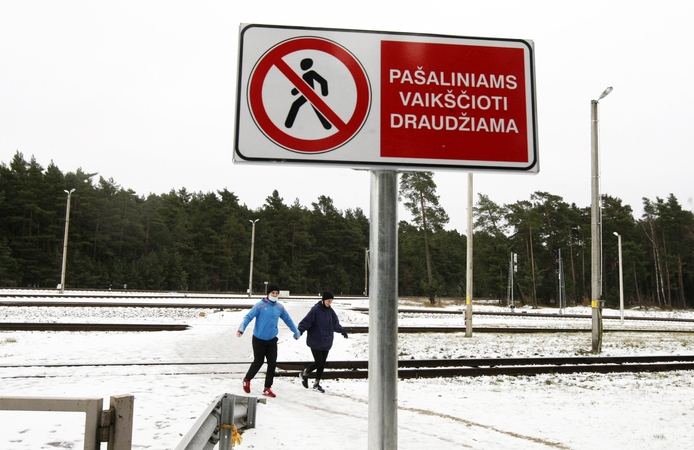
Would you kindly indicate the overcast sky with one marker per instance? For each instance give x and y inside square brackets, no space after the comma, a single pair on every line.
[143,92]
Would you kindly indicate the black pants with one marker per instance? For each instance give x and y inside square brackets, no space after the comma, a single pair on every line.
[318,364]
[263,350]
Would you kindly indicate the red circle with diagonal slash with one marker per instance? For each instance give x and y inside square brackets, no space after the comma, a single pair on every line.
[345,130]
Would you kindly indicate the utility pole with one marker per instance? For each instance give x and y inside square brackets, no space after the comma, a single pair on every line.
[468,282]
[596,241]
[512,269]
[250,276]
[67,225]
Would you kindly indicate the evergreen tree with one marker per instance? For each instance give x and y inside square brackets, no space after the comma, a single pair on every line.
[418,190]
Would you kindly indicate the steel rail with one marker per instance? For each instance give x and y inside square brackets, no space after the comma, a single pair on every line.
[518,330]
[287,367]
[57,326]
[504,366]
[509,370]
[525,314]
[496,362]
[122,304]
[227,305]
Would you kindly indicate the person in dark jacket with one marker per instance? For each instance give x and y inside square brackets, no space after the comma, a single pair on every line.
[321,323]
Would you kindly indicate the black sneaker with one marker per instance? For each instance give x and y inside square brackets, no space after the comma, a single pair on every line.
[317,387]
[304,379]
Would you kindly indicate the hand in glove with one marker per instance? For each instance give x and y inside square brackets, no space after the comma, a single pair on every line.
[344,333]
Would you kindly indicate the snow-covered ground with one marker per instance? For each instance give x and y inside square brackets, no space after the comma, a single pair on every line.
[579,411]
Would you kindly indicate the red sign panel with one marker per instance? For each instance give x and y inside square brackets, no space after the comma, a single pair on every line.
[454,102]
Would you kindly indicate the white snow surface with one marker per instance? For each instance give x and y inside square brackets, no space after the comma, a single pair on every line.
[578,411]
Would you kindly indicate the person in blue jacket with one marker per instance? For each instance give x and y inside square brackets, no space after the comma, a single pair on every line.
[266,313]
[321,323]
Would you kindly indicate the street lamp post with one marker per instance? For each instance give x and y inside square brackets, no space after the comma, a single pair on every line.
[468,274]
[596,243]
[621,279]
[67,225]
[250,276]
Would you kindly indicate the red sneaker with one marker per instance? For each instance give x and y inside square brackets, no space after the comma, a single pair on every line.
[267,392]
[246,386]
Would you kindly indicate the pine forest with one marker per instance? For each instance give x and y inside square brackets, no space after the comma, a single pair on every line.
[194,241]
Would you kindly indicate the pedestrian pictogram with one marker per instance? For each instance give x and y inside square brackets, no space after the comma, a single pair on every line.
[310,76]
[303,72]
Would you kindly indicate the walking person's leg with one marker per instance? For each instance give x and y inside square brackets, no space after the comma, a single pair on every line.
[311,367]
[258,358]
[320,356]
[271,357]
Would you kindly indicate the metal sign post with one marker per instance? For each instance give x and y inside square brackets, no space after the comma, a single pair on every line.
[383,312]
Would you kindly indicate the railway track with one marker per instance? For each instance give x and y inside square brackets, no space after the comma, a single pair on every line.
[440,368]
[58,326]
[504,366]
[124,304]
[525,314]
[222,302]
[239,303]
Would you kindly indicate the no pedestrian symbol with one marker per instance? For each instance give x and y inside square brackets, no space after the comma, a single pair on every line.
[309,95]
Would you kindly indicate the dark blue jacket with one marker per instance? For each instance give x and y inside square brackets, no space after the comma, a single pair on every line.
[321,323]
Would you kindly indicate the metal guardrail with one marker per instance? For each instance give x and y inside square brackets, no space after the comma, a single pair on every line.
[216,423]
[114,425]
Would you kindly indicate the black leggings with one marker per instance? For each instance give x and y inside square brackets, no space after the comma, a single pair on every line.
[262,350]
[318,364]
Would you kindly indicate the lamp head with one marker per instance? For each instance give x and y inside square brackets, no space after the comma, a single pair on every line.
[615,233]
[605,92]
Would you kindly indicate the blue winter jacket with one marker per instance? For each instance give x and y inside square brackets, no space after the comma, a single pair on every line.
[267,315]
[322,323]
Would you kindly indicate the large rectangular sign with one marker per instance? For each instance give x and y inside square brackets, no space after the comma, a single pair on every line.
[369,99]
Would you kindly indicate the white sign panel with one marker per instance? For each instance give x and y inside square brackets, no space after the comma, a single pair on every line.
[368,99]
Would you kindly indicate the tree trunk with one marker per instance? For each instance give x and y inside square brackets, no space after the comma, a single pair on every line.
[532,266]
[668,286]
[660,294]
[432,292]
[520,294]
[122,233]
[636,283]
[680,282]
[573,273]
[147,237]
[96,235]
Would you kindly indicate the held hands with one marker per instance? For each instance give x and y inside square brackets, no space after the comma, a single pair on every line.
[344,333]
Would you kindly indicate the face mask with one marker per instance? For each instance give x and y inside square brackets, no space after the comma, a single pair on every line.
[272,299]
